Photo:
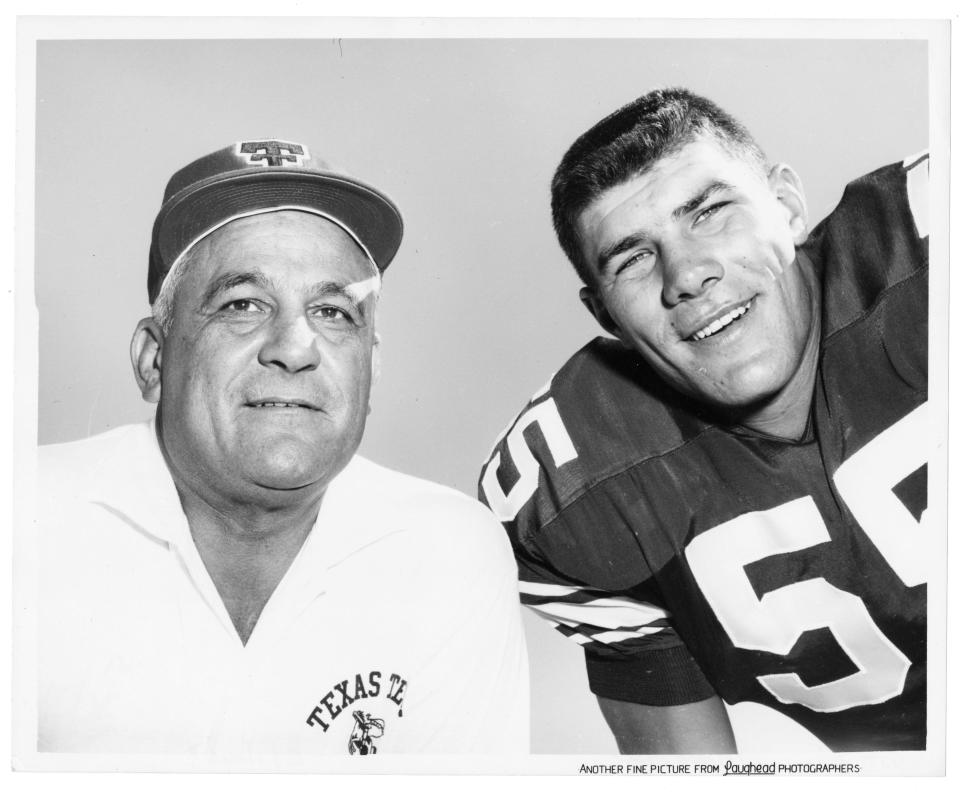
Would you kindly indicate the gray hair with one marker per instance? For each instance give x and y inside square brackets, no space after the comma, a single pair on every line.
[163,306]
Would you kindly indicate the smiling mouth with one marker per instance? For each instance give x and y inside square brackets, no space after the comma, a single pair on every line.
[721,322]
[271,403]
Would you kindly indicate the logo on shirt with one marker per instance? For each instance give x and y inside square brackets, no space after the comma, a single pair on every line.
[360,689]
[365,731]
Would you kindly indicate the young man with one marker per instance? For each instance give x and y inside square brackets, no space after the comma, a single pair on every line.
[725,502]
[231,578]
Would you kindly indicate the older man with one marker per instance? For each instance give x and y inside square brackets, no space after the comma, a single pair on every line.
[231,577]
[724,502]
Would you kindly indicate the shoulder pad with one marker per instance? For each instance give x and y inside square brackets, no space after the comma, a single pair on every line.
[603,412]
[875,238]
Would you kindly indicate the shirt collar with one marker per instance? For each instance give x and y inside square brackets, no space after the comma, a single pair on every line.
[136,481]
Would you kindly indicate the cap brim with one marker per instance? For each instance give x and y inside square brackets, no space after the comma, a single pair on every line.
[370,215]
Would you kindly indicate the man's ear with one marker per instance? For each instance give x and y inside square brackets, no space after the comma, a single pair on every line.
[374,367]
[375,359]
[786,186]
[146,353]
[595,306]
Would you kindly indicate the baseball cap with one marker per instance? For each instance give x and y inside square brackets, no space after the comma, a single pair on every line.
[264,175]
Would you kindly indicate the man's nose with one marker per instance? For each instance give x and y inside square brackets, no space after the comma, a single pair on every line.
[688,272]
[291,344]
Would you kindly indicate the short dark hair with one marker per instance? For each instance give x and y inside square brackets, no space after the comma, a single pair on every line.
[628,142]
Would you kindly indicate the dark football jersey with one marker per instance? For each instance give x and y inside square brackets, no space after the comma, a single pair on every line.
[688,558]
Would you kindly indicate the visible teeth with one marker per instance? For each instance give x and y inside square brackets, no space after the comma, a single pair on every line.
[276,405]
[720,322]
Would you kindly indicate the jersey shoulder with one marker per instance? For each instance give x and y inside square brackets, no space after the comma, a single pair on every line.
[558,472]
[565,480]
[874,240]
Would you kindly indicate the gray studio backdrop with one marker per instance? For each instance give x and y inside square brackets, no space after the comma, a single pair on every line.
[479,307]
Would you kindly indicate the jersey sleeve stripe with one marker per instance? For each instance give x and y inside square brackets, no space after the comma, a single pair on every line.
[587,597]
[606,613]
[605,637]
[585,636]
[535,592]
[614,637]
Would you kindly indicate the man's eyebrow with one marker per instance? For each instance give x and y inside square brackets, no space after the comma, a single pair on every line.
[335,289]
[228,281]
[699,198]
[618,247]
[316,291]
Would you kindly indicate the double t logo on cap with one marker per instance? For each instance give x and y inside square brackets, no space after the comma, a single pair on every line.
[272,152]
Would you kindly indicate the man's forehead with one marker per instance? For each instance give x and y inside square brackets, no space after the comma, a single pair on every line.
[674,179]
[298,228]
[280,240]
[700,159]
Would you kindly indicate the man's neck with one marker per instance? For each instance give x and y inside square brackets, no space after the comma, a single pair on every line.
[787,413]
[247,549]
[785,419]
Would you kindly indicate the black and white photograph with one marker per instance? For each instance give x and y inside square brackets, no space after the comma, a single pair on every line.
[429,397]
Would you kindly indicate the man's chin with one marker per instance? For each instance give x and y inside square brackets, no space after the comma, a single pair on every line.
[292,477]
[752,403]
[295,468]
[739,384]
[281,483]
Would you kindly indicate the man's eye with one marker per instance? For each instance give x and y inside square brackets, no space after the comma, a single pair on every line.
[241,305]
[643,258]
[710,211]
[334,314]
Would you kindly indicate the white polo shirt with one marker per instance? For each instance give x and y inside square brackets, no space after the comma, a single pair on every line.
[396,628]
